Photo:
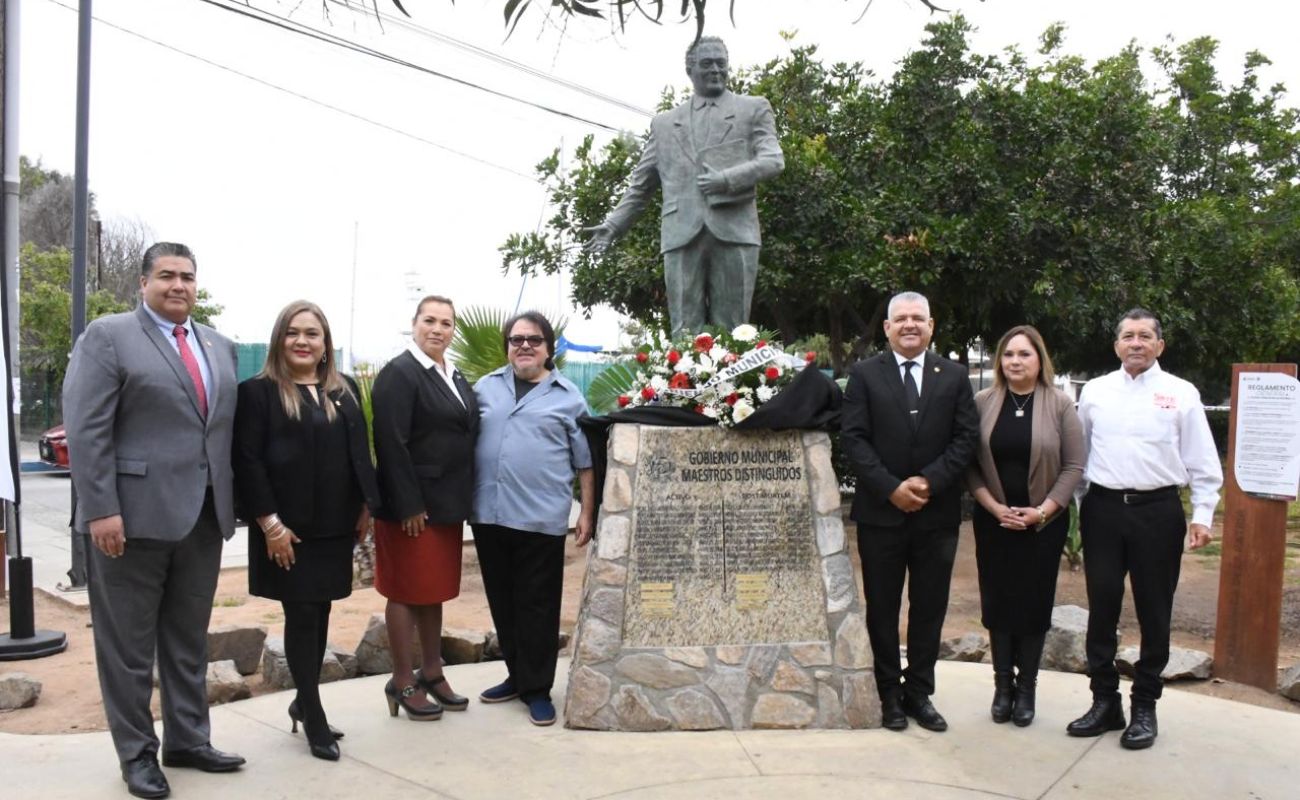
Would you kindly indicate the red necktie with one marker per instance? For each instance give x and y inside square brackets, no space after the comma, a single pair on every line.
[191,366]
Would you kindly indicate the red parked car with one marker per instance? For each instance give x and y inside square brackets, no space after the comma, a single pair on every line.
[54,447]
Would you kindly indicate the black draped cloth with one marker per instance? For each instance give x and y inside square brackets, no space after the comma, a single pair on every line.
[810,402]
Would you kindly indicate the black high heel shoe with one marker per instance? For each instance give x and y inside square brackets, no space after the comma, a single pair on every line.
[450,701]
[324,747]
[295,714]
[414,713]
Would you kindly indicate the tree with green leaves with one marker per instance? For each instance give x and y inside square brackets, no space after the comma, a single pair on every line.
[1009,188]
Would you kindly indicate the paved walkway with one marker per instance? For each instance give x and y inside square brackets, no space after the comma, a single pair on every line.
[1208,748]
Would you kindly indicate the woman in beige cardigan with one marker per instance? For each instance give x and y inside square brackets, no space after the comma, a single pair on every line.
[1030,459]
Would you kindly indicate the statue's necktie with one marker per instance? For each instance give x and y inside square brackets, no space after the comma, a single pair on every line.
[191,366]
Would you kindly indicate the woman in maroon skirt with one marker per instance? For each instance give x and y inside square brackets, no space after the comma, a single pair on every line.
[426,424]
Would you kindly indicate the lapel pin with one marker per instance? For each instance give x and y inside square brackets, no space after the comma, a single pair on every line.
[936,369]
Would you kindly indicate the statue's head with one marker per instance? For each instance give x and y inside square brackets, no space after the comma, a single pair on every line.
[706,64]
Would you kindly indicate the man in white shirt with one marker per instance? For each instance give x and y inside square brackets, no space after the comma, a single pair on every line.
[1146,435]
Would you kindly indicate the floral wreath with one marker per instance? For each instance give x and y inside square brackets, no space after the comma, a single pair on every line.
[724,376]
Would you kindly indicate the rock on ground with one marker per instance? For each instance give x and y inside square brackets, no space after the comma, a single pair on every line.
[1064,650]
[225,683]
[970,647]
[18,690]
[1183,664]
[1290,684]
[242,644]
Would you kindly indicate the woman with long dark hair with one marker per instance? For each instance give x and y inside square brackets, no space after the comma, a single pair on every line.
[1030,458]
[306,484]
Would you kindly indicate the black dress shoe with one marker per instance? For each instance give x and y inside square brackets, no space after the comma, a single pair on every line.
[144,778]
[1106,714]
[891,712]
[205,757]
[1141,732]
[925,714]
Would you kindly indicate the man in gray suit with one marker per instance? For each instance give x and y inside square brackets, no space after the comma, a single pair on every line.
[708,155]
[148,403]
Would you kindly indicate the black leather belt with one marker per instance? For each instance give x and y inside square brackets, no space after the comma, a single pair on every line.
[1134,497]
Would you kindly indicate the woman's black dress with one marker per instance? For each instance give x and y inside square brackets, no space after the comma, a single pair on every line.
[322,567]
[1017,569]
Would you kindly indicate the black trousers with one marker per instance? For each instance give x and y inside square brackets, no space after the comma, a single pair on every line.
[1144,541]
[523,578]
[924,559]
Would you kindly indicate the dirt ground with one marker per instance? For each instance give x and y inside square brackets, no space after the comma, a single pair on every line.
[70,698]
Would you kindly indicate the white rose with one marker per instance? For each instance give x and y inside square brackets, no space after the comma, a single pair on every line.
[705,363]
[741,410]
[658,383]
[717,353]
[710,412]
[764,393]
[745,333]
[724,388]
[684,364]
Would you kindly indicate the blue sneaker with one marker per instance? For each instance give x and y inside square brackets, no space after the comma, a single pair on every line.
[541,711]
[500,693]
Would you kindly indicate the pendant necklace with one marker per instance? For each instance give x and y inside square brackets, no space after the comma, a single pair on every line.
[1020,407]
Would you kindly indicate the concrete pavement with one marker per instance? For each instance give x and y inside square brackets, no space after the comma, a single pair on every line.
[1208,748]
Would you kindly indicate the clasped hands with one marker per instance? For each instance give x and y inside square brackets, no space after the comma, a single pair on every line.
[911,495]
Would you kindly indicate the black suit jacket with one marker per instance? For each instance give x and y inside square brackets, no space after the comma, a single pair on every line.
[272,453]
[883,448]
[424,442]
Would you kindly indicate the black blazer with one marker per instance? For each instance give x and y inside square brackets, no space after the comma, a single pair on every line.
[272,452]
[880,443]
[424,442]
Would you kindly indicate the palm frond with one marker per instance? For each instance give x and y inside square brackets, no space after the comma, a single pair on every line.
[614,380]
[477,347]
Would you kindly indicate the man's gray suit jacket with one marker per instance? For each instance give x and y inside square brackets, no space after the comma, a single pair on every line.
[670,159]
[137,442]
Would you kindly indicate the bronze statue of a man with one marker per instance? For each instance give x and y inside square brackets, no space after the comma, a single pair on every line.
[708,155]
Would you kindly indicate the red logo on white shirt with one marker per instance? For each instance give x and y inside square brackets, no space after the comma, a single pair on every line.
[1166,401]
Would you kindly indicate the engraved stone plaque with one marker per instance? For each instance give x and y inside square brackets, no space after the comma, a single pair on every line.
[720,593]
[721,551]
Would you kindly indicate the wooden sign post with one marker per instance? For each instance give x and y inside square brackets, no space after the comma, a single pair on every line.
[1250,574]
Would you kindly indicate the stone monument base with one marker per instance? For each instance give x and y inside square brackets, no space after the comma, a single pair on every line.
[719,593]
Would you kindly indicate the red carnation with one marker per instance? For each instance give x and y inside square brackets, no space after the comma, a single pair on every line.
[673,357]
[647,393]
[641,358]
[761,343]
[772,373]
[623,400]
[679,380]
[699,409]
[810,356]
[732,398]
[703,343]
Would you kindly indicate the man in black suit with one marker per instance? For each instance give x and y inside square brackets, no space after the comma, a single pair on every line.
[909,429]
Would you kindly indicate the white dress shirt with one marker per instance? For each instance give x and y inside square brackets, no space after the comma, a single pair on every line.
[167,327]
[917,371]
[1147,432]
[429,363]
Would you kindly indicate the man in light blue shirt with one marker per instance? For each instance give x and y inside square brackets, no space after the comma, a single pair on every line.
[529,450]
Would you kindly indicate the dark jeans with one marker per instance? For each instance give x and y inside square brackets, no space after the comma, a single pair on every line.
[523,578]
[924,559]
[1144,541]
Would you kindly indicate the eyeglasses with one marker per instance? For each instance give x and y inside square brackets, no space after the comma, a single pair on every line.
[532,341]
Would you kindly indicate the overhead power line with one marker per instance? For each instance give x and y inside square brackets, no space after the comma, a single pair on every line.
[277,87]
[401,22]
[292,26]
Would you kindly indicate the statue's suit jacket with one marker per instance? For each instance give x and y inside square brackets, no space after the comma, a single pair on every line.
[742,131]
[137,443]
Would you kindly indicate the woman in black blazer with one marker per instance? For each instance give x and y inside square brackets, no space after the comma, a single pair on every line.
[426,425]
[303,473]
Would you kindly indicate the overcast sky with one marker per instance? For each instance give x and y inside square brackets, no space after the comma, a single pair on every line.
[263,149]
